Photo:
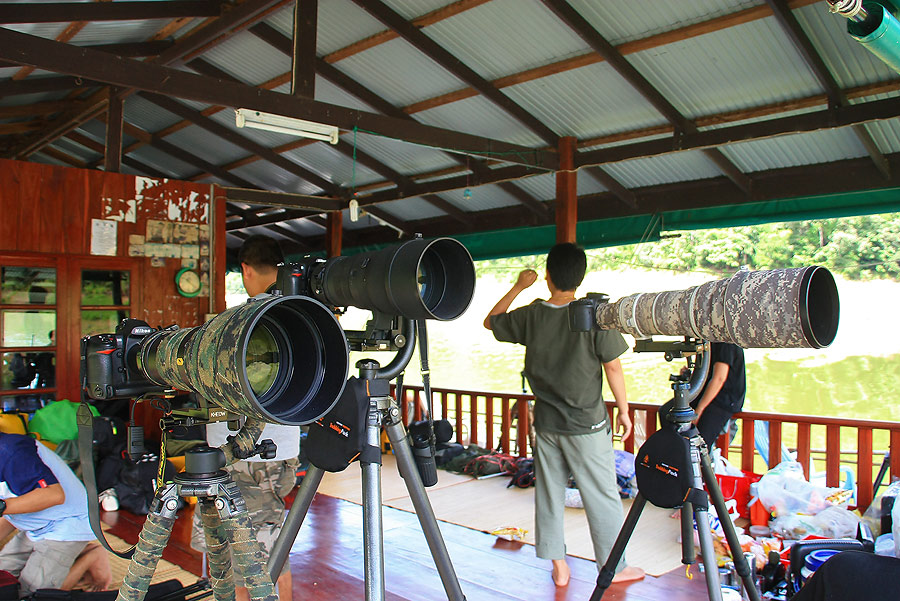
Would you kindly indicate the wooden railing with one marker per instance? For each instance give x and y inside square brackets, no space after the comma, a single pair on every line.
[486,419]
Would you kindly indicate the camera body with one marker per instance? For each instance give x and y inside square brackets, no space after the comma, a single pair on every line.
[109,363]
[582,312]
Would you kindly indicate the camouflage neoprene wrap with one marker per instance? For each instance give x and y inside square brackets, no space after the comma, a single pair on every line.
[221,575]
[249,557]
[153,538]
[753,309]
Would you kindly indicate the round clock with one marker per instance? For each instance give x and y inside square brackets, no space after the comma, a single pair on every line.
[187,282]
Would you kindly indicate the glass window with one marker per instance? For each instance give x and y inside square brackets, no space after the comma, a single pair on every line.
[28,403]
[101,321]
[28,286]
[27,370]
[28,327]
[105,288]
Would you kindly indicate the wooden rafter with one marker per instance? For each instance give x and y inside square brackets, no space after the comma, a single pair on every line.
[804,45]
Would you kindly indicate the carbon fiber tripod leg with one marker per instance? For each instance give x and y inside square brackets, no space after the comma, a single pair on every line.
[608,571]
[249,558]
[405,462]
[221,574]
[737,554]
[151,542]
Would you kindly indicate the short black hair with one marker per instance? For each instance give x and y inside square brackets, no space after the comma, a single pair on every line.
[566,264]
[261,252]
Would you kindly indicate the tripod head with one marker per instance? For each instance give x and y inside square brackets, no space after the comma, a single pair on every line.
[688,383]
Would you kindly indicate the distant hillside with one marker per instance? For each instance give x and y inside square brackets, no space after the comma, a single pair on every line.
[856,248]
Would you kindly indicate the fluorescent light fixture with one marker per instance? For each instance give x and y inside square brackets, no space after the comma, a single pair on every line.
[286,125]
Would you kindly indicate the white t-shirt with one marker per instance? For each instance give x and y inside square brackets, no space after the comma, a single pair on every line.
[286,438]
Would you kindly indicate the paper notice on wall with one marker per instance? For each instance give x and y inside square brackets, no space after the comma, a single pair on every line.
[103,237]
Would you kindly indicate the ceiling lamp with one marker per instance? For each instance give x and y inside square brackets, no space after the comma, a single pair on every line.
[286,125]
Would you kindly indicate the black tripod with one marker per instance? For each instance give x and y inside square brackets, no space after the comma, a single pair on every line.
[383,412]
[694,505]
[226,524]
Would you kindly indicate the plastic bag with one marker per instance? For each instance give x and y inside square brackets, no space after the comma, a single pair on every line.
[836,522]
[784,490]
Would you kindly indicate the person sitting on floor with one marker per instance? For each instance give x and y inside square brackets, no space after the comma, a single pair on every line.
[42,498]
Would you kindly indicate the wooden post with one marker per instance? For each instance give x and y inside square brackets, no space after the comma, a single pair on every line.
[334,233]
[113,158]
[566,192]
[303,73]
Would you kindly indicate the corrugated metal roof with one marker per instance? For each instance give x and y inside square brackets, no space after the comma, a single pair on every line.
[163,162]
[400,156]
[478,115]
[849,63]
[798,149]
[266,175]
[492,44]
[665,169]
[248,58]
[333,165]
[146,115]
[625,21]
[886,134]
[747,65]
[382,68]
[586,102]
[101,32]
[482,198]
[411,209]
[340,23]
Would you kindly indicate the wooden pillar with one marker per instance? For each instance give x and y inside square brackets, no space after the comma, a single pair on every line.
[334,233]
[113,159]
[218,247]
[303,76]
[566,192]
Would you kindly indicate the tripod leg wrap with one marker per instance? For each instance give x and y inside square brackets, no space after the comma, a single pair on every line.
[221,574]
[249,558]
[152,541]
[244,441]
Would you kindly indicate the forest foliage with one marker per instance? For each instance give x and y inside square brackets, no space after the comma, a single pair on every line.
[856,248]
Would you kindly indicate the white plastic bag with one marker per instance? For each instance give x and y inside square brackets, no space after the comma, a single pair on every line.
[785,491]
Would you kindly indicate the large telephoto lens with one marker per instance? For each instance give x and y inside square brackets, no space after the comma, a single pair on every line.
[418,279]
[780,308]
[277,359]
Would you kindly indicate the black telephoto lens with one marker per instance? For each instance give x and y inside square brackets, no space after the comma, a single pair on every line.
[424,457]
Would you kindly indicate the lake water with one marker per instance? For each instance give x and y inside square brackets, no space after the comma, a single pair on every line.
[858,376]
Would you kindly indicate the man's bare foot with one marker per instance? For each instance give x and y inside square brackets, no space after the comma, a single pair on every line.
[629,574]
[560,572]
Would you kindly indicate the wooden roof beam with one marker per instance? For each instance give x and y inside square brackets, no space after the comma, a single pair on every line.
[617,61]
[441,56]
[61,12]
[240,16]
[240,141]
[804,46]
[53,56]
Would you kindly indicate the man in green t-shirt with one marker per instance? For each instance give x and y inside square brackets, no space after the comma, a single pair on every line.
[570,418]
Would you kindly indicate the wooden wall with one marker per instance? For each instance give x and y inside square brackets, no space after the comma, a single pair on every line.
[47,211]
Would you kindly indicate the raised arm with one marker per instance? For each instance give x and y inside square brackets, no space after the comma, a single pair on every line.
[526,278]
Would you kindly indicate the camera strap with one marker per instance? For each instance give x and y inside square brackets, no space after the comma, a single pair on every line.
[426,378]
[85,421]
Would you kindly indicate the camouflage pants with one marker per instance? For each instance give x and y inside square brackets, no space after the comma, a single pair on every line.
[264,485]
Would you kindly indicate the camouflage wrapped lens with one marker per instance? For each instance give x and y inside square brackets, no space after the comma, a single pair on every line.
[781,308]
[281,359]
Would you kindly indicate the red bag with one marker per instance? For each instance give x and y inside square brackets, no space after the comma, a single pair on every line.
[738,488]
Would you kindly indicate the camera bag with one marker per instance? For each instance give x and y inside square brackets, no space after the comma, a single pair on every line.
[663,470]
[338,438]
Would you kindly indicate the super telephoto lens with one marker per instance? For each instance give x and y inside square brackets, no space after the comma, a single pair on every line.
[280,359]
[418,279]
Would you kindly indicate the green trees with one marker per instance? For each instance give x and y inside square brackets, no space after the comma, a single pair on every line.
[865,247]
